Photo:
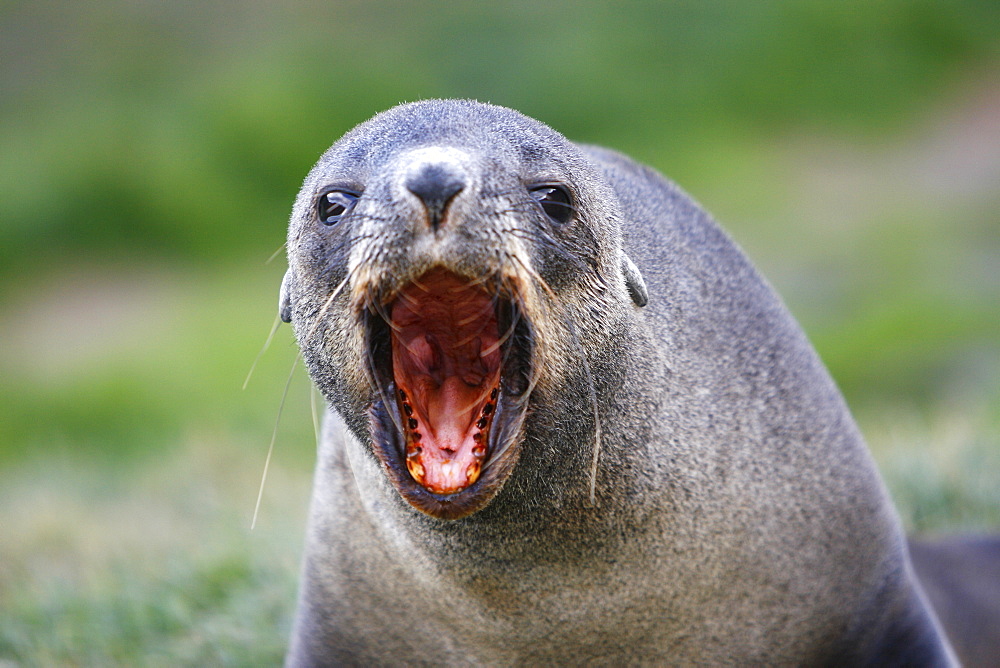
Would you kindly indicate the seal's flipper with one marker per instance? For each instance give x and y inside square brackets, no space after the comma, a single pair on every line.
[285,299]
[634,282]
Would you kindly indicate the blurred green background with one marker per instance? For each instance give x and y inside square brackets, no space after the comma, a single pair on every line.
[149,156]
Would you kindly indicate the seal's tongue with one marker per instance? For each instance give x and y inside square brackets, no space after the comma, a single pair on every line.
[446,364]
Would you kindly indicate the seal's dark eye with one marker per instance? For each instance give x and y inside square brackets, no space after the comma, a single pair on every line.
[555,201]
[333,205]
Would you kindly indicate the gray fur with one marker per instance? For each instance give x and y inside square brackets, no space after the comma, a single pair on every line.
[738,518]
[961,576]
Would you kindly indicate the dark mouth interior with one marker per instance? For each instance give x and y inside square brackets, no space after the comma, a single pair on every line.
[446,368]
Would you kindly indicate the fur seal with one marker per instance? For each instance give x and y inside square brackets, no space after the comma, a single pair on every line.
[961,577]
[580,427]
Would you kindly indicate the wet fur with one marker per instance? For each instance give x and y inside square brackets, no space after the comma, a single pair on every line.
[733,515]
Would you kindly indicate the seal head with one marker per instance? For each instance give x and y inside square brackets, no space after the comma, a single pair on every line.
[424,259]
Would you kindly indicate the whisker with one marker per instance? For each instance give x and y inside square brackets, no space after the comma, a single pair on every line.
[507,334]
[531,272]
[472,337]
[375,305]
[522,205]
[420,285]
[322,312]
[592,392]
[536,372]
[476,316]
[408,299]
[543,238]
[274,436]
[474,282]
[516,313]
[536,375]
[275,253]
[500,193]
[313,395]
[494,300]
[499,342]
[336,251]
[373,380]
[496,456]
[267,343]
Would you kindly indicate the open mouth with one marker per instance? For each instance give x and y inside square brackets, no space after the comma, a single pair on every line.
[452,364]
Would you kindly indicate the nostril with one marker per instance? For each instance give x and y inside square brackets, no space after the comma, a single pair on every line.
[435,185]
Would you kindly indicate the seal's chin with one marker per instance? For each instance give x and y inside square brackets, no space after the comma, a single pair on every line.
[452,363]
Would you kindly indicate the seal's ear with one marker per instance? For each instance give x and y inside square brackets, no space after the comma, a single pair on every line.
[285,298]
[633,281]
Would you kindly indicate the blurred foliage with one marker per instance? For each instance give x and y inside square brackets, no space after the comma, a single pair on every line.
[155,567]
[182,129]
[149,156]
[160,145]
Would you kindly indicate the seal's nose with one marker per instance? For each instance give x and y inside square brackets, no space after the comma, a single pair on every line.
[435,184]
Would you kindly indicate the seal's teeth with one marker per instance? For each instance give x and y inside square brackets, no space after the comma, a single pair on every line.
[472,472]
[416,469]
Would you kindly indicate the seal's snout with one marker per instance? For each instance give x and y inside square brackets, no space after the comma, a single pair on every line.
[435,181]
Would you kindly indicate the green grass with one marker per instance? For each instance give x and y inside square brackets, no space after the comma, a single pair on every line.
[152,564]
[942,469]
